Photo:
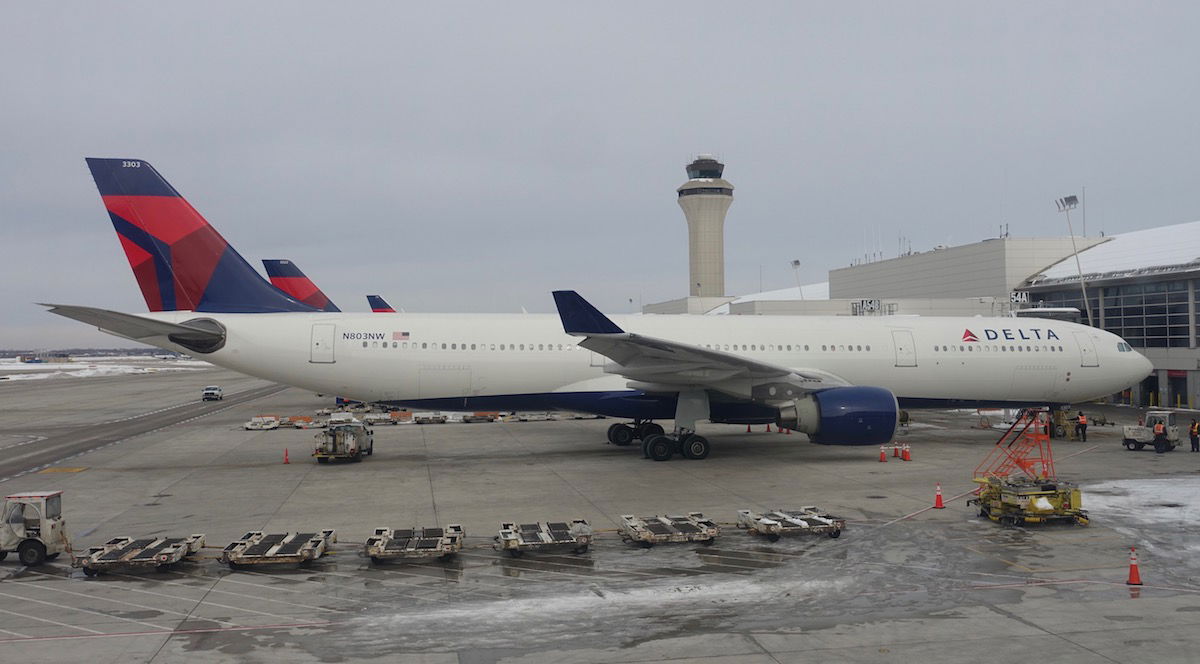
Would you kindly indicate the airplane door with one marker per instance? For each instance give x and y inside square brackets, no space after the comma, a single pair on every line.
[1087,350]
[321,351]
[906,350]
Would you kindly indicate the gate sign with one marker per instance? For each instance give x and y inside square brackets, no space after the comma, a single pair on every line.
[1018,297]
[869,306]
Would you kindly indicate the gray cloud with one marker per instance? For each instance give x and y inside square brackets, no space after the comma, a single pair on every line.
[474,157]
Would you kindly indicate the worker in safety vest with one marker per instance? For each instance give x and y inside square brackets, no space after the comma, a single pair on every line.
[1194,434]
[1081,427]
[1160,437]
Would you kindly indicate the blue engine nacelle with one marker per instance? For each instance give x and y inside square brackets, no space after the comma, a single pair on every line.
[844,416]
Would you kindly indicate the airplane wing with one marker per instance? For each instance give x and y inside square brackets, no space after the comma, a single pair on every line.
[664,365]
[138,328]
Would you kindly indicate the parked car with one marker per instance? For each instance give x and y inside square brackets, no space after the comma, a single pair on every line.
[212,393]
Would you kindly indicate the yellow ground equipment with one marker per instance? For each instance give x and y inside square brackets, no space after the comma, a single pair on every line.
[1017,482]
[1024,501]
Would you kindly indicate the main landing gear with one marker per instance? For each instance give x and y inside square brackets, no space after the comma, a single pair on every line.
[625,434]
[691,406]
[661,447]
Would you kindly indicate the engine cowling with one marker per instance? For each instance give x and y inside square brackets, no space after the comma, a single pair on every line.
[843,416]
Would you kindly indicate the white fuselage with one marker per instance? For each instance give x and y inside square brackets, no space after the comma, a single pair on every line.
[924,361]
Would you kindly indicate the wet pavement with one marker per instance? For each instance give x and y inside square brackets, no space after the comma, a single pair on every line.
[938,586]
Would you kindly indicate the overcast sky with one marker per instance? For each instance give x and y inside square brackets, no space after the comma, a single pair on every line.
[474,157]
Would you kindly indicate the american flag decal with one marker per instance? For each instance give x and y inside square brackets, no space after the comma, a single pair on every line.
[399,336]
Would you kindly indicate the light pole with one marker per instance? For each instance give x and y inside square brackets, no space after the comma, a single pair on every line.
[1065,205]
[796,271]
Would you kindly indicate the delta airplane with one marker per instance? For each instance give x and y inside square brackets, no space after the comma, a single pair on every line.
[840,380]
[287,277]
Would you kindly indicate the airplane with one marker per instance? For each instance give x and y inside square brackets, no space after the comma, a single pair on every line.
[840,380]
[379,305]
[287,277]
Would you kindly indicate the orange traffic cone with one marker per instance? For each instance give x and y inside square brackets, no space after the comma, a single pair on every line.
[747,428]
[906,456]
[937,498]
[1135,579]
[285,456]
[768,428]
[780,430]
[788,431]
[896,451]
[882,455]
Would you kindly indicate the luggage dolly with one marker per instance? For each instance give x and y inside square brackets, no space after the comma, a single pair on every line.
[129,553]
[650,530]
[808,520]
[414,543]
[257,548]
[549,537]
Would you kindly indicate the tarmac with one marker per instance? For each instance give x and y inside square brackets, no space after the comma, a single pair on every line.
[140,455]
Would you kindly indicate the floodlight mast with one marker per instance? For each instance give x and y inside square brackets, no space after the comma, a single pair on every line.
[1065,205]
[796,272]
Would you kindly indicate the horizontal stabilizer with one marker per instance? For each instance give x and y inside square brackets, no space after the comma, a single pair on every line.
[138,328]
[580,318]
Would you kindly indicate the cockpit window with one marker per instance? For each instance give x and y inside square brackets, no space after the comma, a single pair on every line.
[1124,347]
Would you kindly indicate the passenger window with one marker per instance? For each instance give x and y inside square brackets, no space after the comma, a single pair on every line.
[822,346]
[364,344]
[422,346]
[868,349]
[404,345]
[539,346]
[472,346]
[453,346]
[789,346]
[522,347]
[860,348]
[443,346]
[805,346]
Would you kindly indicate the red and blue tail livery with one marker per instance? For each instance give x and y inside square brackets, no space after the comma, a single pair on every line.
[379,305]
[287,277]
[181,262]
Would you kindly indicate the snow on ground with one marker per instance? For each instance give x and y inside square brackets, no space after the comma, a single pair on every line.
[86,367]
[1156,514]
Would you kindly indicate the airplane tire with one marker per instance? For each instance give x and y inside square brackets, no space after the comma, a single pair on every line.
[649,429]
[696,447]
[646,445]
[661,448]
[620,435]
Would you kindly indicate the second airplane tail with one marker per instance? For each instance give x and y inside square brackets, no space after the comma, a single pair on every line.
[379,305]
[287,277]
[181,262]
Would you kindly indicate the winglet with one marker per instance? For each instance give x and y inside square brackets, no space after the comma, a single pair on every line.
[580,318]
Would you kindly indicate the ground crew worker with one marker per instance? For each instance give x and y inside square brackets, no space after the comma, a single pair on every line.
[1194,433]
[1081,427]
[1160,437]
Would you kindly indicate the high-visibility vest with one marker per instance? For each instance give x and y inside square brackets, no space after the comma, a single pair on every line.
[1159,428]
[1083,419]
[1195,429]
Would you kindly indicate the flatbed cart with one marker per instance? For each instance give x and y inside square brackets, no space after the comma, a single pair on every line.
[1017,502]
[548,537]
[414,543]
[650,530]
[808,520]
[128,553]
[258,548]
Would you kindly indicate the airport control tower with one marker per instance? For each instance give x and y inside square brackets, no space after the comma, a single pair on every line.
[705,198]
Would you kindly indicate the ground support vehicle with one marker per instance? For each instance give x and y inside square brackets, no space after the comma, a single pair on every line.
[808,520]
[414,543]
[380,418]
[212,393]
[1016,502]
[469,418]
[344,439]
[33,527]
[309,423]
[262,423]
[129,553]
[258,548]
[429,418]
[549,537]
[646,531]
[1135,437]
[536,417]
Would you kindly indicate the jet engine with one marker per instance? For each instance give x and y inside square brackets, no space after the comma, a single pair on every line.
[843,416]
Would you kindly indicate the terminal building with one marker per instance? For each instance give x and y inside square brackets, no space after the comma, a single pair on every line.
[1142,285]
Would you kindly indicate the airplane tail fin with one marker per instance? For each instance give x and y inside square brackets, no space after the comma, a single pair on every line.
[379,305]
[287,277]
[179,260]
